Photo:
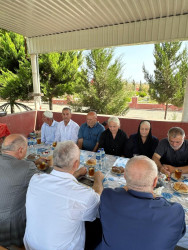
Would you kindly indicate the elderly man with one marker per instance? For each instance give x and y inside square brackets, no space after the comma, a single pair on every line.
[90,132]
[49,128]
[67,129]
[57,204]
[172,152]
[15,174]
[132,218]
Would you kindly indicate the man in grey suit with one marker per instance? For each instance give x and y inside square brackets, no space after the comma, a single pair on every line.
[15,174]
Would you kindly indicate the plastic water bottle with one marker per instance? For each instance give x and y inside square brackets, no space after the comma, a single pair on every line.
[28,141]
[103,157]
[98,159]
[34,145]
[34,141]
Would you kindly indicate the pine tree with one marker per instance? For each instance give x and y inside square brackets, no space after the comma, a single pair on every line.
[59,72]
[102,88]
[167,86]
[15,70]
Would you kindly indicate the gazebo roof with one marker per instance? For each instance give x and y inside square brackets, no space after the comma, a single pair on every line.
[61,25]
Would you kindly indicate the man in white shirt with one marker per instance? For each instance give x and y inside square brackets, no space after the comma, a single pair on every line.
[48,128]
[67,129]
[57,204]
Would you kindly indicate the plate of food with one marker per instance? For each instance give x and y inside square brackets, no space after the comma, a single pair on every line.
[180,187]
[184,177]
[117,170]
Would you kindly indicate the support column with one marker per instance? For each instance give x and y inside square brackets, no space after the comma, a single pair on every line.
[36,81]
[185,104]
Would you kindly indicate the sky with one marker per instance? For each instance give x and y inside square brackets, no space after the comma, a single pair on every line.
[133,58]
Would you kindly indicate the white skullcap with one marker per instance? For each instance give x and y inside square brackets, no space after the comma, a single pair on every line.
[48,114]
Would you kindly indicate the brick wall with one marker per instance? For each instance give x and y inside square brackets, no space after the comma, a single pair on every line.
[135,105]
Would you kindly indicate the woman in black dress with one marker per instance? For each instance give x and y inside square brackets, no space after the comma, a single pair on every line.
[141,143]
[113,139]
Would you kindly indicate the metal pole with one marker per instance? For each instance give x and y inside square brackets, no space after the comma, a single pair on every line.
[185,104]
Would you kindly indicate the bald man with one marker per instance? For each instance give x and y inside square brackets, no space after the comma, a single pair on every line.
[90,132]
[133,218]
[15,174]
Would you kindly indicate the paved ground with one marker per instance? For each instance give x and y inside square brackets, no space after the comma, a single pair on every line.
[132,113]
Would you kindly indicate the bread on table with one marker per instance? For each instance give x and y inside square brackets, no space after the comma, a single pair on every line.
[118,170]
[91,162]
[181,187]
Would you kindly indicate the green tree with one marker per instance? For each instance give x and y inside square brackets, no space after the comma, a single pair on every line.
[171,69]
[15,70]
[102,89]
[59,73]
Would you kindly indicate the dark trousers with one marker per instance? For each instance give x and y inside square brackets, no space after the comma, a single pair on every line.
[93,234]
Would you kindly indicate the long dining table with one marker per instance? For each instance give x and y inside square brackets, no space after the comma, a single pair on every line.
[112,180]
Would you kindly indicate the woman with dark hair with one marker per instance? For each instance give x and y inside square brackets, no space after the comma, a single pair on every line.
[142,143]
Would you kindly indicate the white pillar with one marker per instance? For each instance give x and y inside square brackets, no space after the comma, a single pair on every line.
[36,81]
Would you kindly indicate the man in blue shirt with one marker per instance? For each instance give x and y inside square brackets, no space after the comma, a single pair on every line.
[90,132]
[49,128]
[133,218]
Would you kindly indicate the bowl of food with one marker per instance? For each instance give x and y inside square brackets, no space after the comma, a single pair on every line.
[42,164]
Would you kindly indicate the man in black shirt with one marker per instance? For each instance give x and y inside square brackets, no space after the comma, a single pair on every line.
[172,152]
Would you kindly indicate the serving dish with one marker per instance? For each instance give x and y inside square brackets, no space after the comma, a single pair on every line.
[172,186]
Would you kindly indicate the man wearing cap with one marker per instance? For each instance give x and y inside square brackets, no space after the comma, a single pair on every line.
[48,128]
[67,130]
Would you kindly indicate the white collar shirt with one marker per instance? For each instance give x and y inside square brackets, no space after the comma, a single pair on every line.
[68,132]
[56,207]
[48,132]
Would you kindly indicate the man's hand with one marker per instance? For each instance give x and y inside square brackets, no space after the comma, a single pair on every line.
[165,170]
[80,172]
[80,143]
[169,168]
[99,176]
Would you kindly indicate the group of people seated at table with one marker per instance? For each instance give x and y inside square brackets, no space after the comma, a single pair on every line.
[49,210]
[92,135]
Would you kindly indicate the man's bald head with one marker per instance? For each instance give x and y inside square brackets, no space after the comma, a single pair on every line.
[91,118]
[13,143]
[140,173]
[92,113]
